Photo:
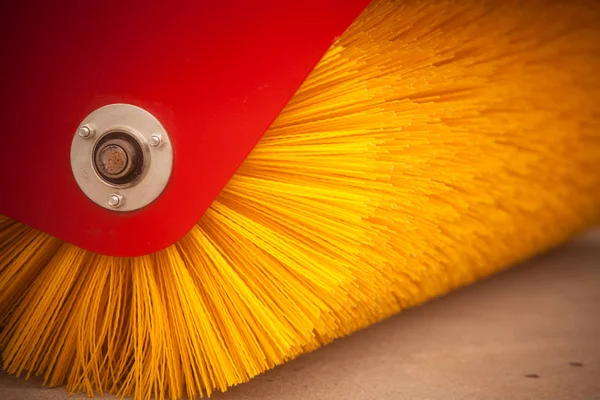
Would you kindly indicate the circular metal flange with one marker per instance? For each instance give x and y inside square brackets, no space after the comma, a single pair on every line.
[121,157]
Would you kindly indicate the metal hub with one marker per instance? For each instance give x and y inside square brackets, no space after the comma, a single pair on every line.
[112,160]
[118,158]
[121,157]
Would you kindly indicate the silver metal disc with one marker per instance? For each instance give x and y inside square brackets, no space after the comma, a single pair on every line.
[144,136]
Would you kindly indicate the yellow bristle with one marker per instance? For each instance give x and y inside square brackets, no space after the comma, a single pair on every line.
[436,143]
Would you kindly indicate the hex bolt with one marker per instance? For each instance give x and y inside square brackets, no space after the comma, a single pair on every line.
[115,200]
[155,140]
[86,132]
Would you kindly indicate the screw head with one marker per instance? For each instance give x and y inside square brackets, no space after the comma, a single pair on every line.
[115,200]
[86,132]
[155,140]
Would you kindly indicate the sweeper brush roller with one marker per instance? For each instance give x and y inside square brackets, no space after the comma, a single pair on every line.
[195,193]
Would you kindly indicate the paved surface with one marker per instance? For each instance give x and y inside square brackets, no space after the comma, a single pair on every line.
[530,333]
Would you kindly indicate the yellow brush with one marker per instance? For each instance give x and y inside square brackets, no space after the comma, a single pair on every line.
[434,144]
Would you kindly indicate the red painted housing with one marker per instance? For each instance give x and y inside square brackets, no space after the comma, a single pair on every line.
[215,73]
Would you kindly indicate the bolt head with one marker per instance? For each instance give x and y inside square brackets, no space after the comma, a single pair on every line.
[86,132]
[115,200]
[155,141]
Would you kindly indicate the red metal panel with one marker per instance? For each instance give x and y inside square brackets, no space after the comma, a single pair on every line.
[215,73]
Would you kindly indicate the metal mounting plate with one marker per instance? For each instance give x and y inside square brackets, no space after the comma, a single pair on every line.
[141,125]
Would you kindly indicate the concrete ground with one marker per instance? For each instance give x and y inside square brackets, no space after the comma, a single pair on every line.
[530,333]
